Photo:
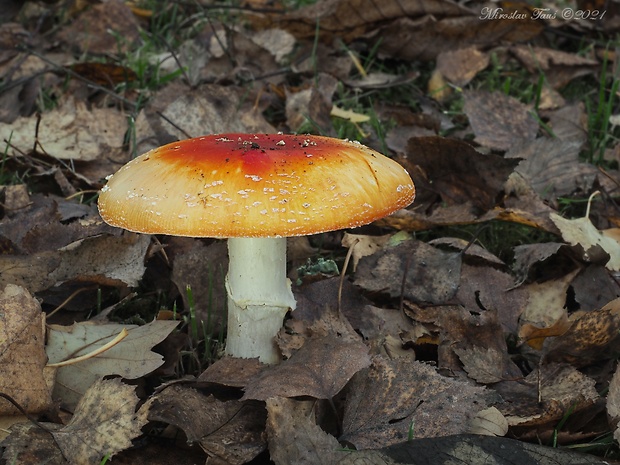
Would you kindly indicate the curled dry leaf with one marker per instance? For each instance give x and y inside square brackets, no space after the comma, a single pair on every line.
[22,352]
[461,66]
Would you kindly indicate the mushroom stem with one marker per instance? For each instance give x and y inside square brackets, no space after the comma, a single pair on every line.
[259,295]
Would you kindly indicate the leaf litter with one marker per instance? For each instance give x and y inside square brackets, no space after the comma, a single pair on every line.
[429,338]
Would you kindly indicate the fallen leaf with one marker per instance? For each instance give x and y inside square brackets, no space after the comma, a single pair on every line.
[71,131]
[559,67]
[22,352]
[471,449]
[108,260]
[460,66]
[363,245]
[105,422]
[320,369]
[581,231]
[131,358]
[592,337]
[613,403]
[429,274]
[489,422]
[562,389]
[90,32]
[498,120]
[393,396]
[228,431]
[552,166]
[450,172]
[295,438]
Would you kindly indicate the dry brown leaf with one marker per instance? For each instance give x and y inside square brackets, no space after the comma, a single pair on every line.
[320,369]
[29,445]
[336,18]
[489,289]
[179,112]
[423,38]
[228,431]
[393,396]
[432,275]
[498,120]
[592,337]
[546,303]
[563,388]
[295,438]
[105,422]
[90,32]
[450,172]
[535,337]
[479,341]
[232,371]
[22,352]
[482,364]
[559,67]
[552,166]
[461,66]
[107,260]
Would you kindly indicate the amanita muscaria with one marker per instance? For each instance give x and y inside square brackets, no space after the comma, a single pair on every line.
[255,190]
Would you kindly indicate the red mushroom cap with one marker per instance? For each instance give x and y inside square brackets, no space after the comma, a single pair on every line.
[246,185]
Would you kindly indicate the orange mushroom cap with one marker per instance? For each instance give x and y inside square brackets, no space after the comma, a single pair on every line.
[247,185]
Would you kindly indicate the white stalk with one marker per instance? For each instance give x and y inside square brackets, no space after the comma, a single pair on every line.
[259,295]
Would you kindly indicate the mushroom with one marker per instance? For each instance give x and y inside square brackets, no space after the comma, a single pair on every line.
[255,190]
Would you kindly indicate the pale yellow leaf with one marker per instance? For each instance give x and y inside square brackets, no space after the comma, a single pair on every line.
[131,358]
[582,232]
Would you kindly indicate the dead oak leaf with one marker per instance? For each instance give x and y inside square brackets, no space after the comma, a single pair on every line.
[105,422]
[320,369]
